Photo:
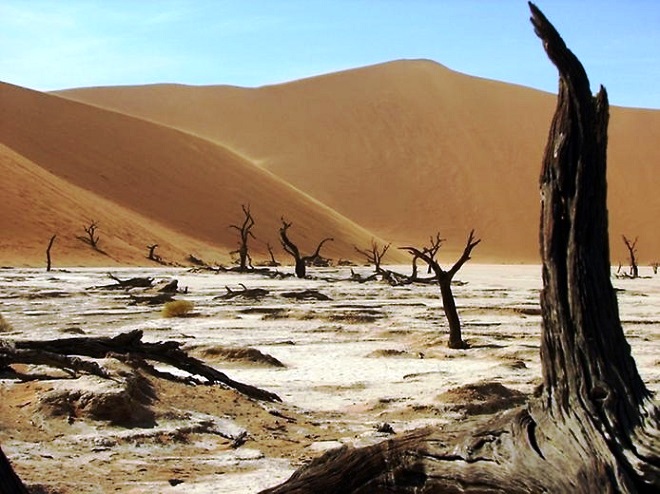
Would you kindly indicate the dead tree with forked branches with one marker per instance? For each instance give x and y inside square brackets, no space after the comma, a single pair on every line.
[434,245]
[245,232]
[632,255]
[593,426]
[291,249]
[92,237]
[444,279]
[374,255]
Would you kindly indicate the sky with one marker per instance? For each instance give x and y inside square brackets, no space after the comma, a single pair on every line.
[57,44]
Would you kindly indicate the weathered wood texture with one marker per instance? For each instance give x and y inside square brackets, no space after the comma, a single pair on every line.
[57,353]
[594,426]
[9,481]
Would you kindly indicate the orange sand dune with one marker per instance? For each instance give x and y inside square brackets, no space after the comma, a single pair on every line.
[66,163]
[37,204]
[408,148]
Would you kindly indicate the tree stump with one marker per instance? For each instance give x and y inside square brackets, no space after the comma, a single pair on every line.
[593,427]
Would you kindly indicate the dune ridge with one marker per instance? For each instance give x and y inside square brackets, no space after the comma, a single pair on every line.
[183,191]
[408,148]
[395,151]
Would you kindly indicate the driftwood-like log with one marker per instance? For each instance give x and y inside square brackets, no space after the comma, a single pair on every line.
[156,299]
[61,353]
[308,294]
[128,284]
[593,427]
[249,293]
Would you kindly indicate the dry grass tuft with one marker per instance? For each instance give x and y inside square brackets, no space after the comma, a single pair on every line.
[4,325]
[177,308]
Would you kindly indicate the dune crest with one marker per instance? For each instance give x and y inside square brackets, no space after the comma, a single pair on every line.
[98,164]
[410,147]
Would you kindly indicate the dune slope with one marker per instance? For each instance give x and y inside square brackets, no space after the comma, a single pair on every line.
[185,184]
[408,148]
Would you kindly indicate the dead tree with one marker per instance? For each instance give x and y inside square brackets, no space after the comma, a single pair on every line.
[273,262]
[152,256]
[291,249]
[244,232]
[92,237]
[593,426]
[9,481]
[374,255]
[50,246]
[632,254]
[431,251]
[444,279]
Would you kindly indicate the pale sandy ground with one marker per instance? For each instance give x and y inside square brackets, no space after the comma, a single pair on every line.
[373,354]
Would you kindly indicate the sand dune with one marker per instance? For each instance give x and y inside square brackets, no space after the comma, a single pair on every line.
[409,148]
[66,163]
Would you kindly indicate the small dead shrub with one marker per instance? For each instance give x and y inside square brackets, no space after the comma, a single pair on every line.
[4,325]
[177,308]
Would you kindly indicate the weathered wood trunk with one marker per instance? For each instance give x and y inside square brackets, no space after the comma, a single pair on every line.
[9,481]
[449,307]
[593,427]
[50,246]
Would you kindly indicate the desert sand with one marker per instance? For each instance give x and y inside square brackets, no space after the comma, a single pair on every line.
[372,356]
[186,191]
[409,148]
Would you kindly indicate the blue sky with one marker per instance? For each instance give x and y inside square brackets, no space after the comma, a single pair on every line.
[56,44]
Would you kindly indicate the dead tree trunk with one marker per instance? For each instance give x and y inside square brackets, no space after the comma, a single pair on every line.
[444,279]
[50,246]
[632,254]
[594,426]
[244,232]
[9,481]
[291,249]
[152,256]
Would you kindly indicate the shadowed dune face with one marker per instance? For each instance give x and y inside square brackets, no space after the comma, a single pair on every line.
[397,151]
[408,148]
[144,183]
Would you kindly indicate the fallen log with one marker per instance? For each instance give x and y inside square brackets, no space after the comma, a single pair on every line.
[61,353]
[593,426]
[137,282]
[249,293]
[308,294]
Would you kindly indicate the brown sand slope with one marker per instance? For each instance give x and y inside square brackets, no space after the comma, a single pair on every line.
[410,147]
[150,174]
[37,204]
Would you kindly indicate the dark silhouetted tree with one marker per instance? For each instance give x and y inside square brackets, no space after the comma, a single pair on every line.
[92,237]
[632,256]
[374,255]
[50,246]
[291,249]
[245,232]
[445,279]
